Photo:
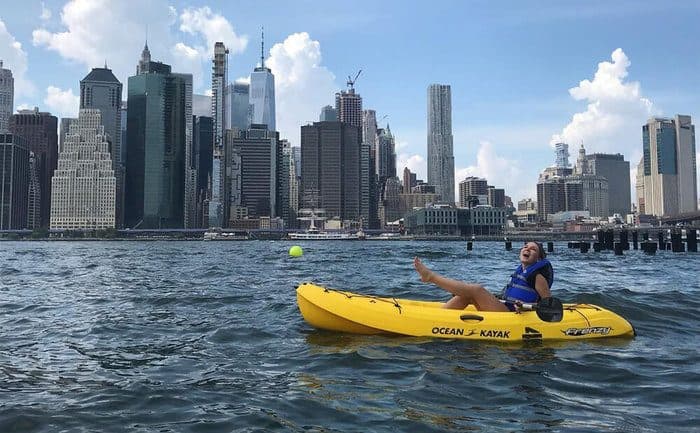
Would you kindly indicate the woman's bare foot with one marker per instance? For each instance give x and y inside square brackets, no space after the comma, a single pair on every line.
[425,273]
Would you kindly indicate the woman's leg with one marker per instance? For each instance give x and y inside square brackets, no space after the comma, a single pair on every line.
[465,293]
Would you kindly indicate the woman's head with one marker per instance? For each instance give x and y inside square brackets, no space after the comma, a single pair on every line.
[531,252]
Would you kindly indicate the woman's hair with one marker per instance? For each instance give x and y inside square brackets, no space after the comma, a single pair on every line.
[540,249]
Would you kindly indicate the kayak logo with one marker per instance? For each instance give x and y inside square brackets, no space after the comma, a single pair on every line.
[532,334]
[577,332]
[494,333]
[447,331]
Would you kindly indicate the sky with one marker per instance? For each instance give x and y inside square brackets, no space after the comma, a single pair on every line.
[524,74]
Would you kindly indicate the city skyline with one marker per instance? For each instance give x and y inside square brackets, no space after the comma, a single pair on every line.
[510,101]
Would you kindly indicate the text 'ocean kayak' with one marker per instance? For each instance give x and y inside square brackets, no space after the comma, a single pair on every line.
[342,311]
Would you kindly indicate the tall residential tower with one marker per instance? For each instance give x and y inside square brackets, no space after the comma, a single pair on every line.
[441,163]
[219,77]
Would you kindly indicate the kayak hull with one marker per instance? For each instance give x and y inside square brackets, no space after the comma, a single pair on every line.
[342,311]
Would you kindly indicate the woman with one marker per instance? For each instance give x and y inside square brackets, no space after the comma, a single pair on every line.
[529,283]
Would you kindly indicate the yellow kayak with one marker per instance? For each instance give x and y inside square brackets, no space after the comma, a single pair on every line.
[342,311]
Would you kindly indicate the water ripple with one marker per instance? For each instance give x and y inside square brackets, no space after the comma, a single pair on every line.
[197,336]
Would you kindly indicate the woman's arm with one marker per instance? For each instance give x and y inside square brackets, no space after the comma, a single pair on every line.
[542,286]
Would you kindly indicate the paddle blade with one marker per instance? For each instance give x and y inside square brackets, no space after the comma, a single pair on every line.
[550,310]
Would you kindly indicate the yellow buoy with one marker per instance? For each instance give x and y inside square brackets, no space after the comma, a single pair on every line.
[296,251]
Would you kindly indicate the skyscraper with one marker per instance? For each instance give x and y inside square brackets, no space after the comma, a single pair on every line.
[34,207]
[7,95]
[84,186]
[562,155]
[190,199]
[348,105]
[669,166]
[441,164]
[262,93]
[219,78]
[473,191]
[616,170]
[558,194]
[39,131]
[239,112]
[156,131]
[328,114]
[409,181]
[202,141]
[290,154]
[497,197]
[330,168]
[65,124]
[101,90]
[687,164]
[369,139]
[386,154]
[14,182]
[256,178]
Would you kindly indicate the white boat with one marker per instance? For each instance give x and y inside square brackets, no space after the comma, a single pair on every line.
[217,235]
[315,234]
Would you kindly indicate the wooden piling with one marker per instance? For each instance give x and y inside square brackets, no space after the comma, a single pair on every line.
[624,240]
[692,240]
[609,239]
[649,247]
[618,248]
[677,242]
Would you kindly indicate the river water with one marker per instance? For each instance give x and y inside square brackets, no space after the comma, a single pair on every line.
[207,337]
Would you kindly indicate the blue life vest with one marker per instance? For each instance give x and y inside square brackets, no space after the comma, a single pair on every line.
[521,286]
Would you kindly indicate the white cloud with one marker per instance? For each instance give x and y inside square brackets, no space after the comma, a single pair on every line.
[415,163]
[186,51]
[214,28]
[95,31]
[45,12]
[615,112]
[401,145]
[499,171]
[24,107]
[15,59]
[302,84]
[62,103]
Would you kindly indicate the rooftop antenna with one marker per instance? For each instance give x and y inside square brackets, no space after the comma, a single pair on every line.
[262,46]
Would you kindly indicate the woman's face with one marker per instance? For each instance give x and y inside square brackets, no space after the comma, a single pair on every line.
[529,253]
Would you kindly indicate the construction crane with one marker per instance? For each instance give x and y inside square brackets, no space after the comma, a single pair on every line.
[351,81]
